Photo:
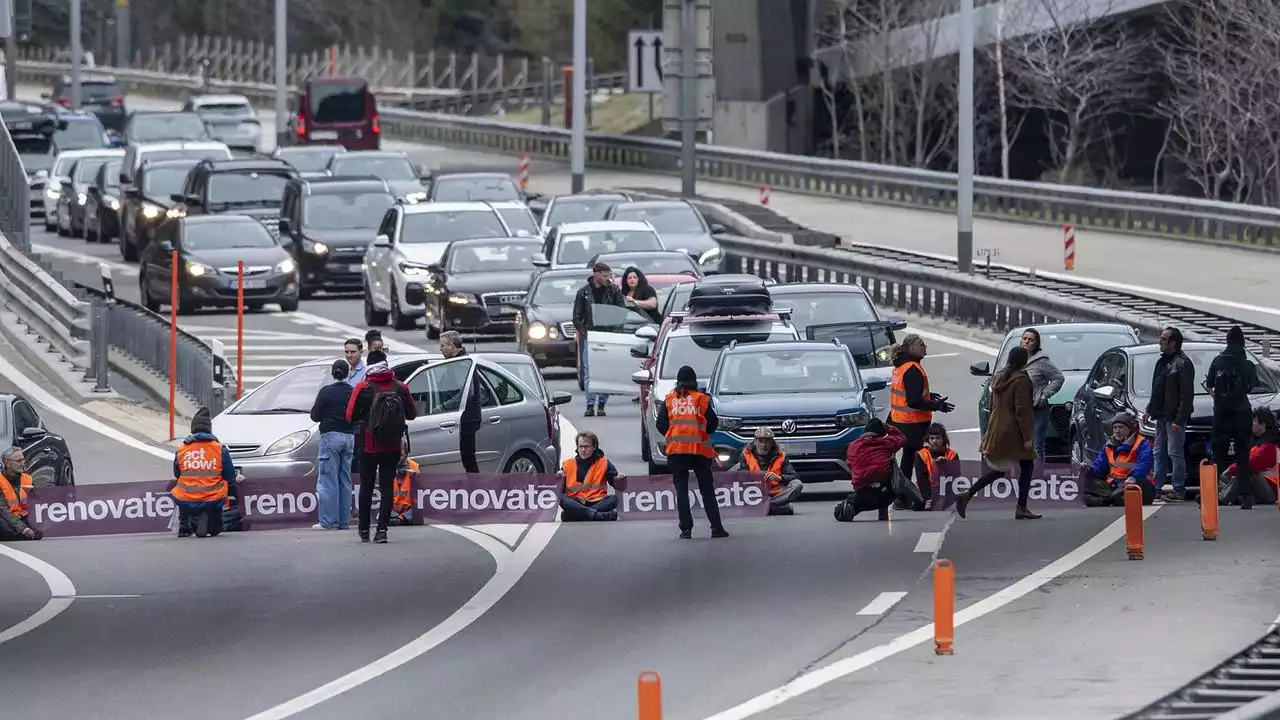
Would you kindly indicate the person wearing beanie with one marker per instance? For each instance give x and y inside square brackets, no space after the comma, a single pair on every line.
[337,448]
[936,450]
[379,411]
[1125,460]
[1230,380]
[203,470]
[686,419]
[15,485]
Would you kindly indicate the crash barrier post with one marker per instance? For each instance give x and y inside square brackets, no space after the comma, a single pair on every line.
[1133,526]
[95,342]
[173,340]
[524,171]
[217,397]
[1069,247]
[649,690]
[1208,500]
[764,195]
[97,367]
[239,329]
[568,97]
[944,606]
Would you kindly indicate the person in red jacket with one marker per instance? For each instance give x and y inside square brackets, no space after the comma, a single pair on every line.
[871,463]
[1262,464]
[380,409]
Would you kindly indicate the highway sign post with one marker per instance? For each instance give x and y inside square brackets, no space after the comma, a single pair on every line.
[688,85]
[644,61]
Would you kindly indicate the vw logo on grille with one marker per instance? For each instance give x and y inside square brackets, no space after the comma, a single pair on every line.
[788,426]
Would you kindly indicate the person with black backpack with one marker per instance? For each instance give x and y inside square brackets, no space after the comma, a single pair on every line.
[381,407]
[1230,379]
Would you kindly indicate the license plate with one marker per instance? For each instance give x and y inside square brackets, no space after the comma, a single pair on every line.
[250,284]
[799,448]
[21,125]
[324,135]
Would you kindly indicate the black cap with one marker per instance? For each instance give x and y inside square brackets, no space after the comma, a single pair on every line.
[202,422]
[687,374]
[1235,336]
[374,334]
[375,357]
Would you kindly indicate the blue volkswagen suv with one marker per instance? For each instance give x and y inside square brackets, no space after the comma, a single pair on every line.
[809,393]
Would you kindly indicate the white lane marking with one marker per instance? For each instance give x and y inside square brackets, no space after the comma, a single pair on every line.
[841,668]
[61,590]
[935,356]
[929,542]
[97,597]
[43,398]
[882,603]
[964,430]
[512,565]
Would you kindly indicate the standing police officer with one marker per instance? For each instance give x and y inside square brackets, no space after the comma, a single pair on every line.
[687,421]
[203,469]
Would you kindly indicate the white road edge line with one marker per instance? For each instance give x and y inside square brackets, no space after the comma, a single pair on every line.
[842,668]
[61,590]
[882,603]
[929,542]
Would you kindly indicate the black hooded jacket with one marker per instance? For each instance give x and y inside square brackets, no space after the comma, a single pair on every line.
[590,295]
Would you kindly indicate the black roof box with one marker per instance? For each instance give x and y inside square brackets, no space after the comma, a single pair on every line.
[745,297]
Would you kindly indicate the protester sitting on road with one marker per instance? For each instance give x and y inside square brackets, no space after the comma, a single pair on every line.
[1262,464]
[203,469]
[585,479]
[937,449]
[871,462]
[764,455]
[382,407]
[1126,460]
[15,485]
[337,446]
[402,494]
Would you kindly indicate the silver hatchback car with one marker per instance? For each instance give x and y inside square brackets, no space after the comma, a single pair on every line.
[270,433]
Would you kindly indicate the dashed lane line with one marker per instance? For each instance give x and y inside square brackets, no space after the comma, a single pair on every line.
[882,603]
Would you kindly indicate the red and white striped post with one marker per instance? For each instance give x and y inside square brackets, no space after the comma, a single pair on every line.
[1069,247]
[764,194]
[524,171]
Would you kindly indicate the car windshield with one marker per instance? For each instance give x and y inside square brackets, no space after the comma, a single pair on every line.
[231,109]
[1144,367]
[1071,351]
[245,188]
[579,248]
[80,135]
[309,160]
[825,308]
[475,189]
[226,236]
[167,126]
[580,209]
[346,211]
[785,372]
[664,264]
[62,165]
[337,101]
[35,151]
[87,169]
[161,182]
[519,220]
[438,227]
[665,218]
[295,390]
[699,351]
[675,298]
[98,91]
[493,257]
[387,167]
[557,290]
[528,374]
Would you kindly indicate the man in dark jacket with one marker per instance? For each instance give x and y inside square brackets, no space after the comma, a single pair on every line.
[1172,395]
[599,290]
[451,347]
[337,445]
[1230,379]
[373,409]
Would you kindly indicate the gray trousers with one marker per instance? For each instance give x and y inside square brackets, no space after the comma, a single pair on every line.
[788,495]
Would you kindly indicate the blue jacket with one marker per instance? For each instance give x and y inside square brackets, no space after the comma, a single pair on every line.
[228,463]
[1101,469]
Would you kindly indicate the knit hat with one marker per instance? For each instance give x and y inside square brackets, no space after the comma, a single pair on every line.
[373,368]
[202,422]
[686,374]
[1235,336]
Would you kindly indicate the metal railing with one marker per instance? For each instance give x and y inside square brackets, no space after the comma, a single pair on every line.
[40,302]
[15,201]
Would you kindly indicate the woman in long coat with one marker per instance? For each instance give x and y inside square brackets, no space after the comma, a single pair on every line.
[1010,436]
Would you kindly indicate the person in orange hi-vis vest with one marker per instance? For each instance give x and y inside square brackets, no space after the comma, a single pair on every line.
[402,489]
[764,455]
[687,420]
[911,404]
[1126,459]
[585,479]
[936,450]
[15,486]
[202,471]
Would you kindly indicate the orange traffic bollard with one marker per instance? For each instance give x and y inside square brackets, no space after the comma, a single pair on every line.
[944,606]
[1209,500]
[1133,530]
[649,687]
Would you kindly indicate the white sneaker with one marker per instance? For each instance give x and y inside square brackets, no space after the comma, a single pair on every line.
[318,526]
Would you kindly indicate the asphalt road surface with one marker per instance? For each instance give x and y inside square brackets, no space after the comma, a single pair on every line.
[557,621]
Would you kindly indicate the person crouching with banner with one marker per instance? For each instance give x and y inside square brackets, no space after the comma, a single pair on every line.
[15,486]
[203,469]
[584,483]
[402,490]
[936,450]
[1126,460]
[764,455]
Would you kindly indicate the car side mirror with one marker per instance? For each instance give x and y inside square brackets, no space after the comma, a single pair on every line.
[896,323]
[876,385]
[34,433]
[641,377]
[178,198]
[284,226]
[648,332]
[436,268]
[67,185]
[382,241]
[640,351]
[541,263]
[981,369]
[718,229]
[560,398]
[1106,392]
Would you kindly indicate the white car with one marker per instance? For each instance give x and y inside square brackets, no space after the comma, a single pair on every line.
[138,153]
[230,119]
[574,244]
[409,240]
[518,217]
[59,174]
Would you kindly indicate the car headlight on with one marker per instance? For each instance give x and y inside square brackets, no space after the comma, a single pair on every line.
[151,212]
[286,266]
[81,198]
[456,299]
[195,269]
[412,269]
[289,443]
[311,246]
[856,418]
[542,331]
[113,203]
[415,197]
[53,193]
[175,212]
[725,458]
[711,257]
[729,424]
[883,354]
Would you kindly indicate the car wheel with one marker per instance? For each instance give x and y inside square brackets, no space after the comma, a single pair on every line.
[128,250]
[372,316]
[645,454]
[144,292]
[523,463]
[433,331]
[66,473]
[289,305]
[398,320]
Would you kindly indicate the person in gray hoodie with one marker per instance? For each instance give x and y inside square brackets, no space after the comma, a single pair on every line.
[1046,381]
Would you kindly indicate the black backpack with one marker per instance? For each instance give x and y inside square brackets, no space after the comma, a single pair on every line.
[387,423]
[1229,386]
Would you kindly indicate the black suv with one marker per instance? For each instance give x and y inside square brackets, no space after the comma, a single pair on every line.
[327,224]
[149,201]
[99,94]
[253,187]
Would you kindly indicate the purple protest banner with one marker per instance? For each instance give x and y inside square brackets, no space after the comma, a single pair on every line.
[459,499]
[653,497]
[1056,484]
[115,508]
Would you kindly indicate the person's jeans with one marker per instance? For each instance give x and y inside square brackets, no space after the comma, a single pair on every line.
[1041,417]
[333,480]
[591,398]
[1171,456]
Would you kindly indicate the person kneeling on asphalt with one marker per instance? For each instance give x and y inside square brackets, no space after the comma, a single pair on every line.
[203,469]
[585,479]
[937,449]
[402,493]
[764,455]
[871,461]
[15,485]
[1262,464]
[1126,460]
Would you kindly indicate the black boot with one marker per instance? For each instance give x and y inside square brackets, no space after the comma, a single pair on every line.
[719,533]
[364,536]
[202,524]
[380,537]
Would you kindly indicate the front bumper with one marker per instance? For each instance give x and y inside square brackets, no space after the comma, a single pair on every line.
[332,272]
[218,290]
[814,459]
[560,352]
[479,316]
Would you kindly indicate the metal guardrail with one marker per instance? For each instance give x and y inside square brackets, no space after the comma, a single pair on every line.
[1246,686]
[43,304]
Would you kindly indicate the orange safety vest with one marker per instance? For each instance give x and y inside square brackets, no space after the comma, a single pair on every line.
[402,492]
[930,465]
[687,432]
[1122,465]
[16,500]
[1272,476]
[775,467]
[899,411]
[595,487]
[200,473]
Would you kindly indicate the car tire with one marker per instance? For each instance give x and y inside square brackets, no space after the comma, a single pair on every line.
[645,453]
[144,292]
[66,473]
[1076,449]
[398,320]
[527,462]
[372,316]
[289,305]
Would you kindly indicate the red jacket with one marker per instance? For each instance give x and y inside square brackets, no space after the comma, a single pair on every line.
[361,403]
[1262,457]
[870,455]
